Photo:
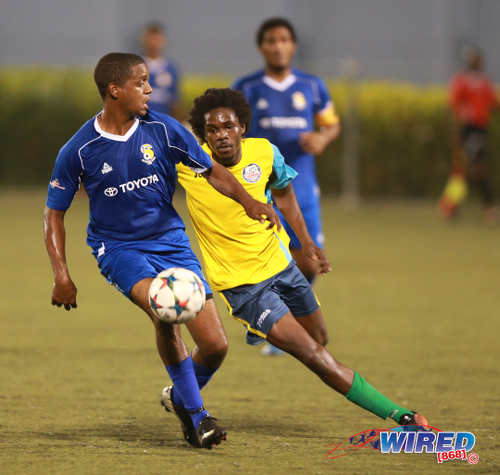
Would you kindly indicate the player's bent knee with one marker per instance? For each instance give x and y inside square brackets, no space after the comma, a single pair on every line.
[216,354]
[213,350]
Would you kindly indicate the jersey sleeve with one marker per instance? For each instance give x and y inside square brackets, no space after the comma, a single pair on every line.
[186,148]
[65,179]
[282,174]
[324,109]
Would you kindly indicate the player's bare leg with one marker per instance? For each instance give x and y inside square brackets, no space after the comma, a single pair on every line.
[170,346]
[291,337]
[199,428]
[315,325]
[210,337]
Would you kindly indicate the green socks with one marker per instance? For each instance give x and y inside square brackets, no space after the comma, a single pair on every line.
[365,395]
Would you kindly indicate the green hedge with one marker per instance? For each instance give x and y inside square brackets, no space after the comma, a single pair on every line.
[404,146]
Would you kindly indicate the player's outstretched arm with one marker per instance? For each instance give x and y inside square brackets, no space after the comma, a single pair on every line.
[224,182]
[64,292]
[287,203]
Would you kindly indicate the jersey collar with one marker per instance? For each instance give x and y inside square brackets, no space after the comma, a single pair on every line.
[279,85]
[118,138]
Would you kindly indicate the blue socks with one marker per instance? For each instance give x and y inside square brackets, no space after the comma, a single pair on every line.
[187,388]
[203,374]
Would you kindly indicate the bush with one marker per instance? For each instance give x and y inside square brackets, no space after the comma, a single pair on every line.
[403,149]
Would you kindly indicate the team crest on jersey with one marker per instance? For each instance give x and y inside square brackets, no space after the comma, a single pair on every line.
[299,101]
[148,154]
[251,173]
[262,104]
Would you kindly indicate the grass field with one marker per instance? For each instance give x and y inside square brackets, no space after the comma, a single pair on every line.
[413,304]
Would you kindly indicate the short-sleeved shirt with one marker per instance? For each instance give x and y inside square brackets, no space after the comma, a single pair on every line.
[130,179]
[236,249]
[281,112]
[472,98]
[164,80]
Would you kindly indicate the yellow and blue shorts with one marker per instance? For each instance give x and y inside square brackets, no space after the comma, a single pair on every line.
[259,306]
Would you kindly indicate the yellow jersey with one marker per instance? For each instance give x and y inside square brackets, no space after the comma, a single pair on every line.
[238,250]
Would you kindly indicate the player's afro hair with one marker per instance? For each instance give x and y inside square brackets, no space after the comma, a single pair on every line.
[274,22]
[114,68]
[214,98]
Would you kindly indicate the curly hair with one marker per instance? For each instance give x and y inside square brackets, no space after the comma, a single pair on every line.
[214,98]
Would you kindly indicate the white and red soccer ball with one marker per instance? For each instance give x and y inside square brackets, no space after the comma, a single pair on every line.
[176,295]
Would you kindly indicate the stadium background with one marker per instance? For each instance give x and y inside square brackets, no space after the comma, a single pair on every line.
[412,302]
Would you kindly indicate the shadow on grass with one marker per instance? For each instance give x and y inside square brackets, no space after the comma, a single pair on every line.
[167,433]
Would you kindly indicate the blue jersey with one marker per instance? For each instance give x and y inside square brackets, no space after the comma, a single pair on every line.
[164,80]
[130,179]
[281,111]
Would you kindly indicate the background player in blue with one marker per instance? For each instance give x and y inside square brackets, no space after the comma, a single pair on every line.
[287,105]
[126,157]
[164,74]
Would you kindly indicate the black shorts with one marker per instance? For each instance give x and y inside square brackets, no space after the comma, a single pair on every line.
[473,140]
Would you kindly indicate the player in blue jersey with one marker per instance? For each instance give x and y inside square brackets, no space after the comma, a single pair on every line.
[163,72]
[125,157]
[287,106]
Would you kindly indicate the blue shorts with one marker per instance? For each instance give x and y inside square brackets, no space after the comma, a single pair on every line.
[312,217]
[124,267]
[260,306]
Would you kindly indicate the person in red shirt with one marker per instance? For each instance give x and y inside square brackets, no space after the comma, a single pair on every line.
[472,99]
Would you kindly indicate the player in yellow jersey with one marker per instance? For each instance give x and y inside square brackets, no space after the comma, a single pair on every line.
[250,264]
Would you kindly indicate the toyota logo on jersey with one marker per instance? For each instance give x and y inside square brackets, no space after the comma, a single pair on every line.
[111,191]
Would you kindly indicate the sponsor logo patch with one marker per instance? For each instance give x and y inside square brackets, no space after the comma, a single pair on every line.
[111,191]
[131,185]
[283,123]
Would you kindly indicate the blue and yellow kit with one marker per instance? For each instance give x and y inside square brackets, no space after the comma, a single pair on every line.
[238,250]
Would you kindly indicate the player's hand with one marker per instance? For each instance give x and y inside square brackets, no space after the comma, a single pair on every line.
[317,255]
[64,293]
[313,142]
[262,212]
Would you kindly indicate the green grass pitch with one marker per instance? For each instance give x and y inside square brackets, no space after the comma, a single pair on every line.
[412,304]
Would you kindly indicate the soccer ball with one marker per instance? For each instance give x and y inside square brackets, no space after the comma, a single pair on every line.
[176,295]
